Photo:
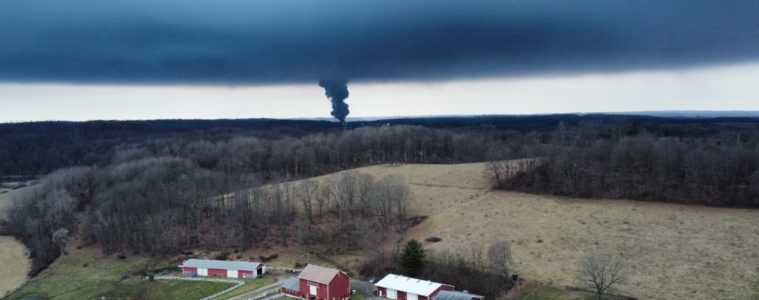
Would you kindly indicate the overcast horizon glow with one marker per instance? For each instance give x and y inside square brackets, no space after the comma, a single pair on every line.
[711,88]
[205,59]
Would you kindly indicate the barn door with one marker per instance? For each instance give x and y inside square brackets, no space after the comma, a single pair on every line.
[410,296]
[392,294]
[313,290]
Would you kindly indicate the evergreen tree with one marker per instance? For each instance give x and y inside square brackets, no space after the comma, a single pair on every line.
[412,258]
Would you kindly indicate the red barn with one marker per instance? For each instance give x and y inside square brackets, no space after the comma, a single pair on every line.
[397,287]
[221,268]
[319,283]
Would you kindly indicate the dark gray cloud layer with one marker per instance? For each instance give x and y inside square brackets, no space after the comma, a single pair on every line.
[279,41]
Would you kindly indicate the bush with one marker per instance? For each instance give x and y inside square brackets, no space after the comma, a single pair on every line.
[471,274]
[224,255]
[433,239]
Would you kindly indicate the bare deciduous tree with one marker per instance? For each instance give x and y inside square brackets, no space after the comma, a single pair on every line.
[307,192]
[601,272]
[499,255]
[61,238]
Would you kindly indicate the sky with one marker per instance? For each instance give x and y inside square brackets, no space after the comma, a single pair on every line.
[89,59]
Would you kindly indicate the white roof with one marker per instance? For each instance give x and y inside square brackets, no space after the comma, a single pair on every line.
[221,264]
[408,284]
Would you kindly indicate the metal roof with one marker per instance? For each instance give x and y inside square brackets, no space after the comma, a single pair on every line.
[221,264]
[292,283]
[454,295]
[408,284]
[318,274]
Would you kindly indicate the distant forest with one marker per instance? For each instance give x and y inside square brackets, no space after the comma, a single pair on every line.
[160,187]
[38,148]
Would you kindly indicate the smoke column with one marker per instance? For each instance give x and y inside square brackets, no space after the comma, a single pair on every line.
[337,91]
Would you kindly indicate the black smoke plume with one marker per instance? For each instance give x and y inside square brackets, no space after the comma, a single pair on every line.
[337,92]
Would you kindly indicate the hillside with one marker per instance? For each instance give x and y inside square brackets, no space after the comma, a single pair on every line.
[673,251]
[13,258]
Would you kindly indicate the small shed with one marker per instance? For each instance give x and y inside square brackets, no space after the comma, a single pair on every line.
[319,283]
[398,287]
[222,268]
[456,295]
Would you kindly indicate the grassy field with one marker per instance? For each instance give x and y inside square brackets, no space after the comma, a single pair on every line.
[85,274]
[15,264]
[80,275]
[165,289]
[250,285]
[673,251]
[533,291]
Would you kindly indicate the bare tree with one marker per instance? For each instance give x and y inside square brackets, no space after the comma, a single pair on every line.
[61,238]
[601,273]
[307,194]
[499,255]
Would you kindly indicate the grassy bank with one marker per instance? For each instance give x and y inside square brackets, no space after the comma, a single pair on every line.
[165,289]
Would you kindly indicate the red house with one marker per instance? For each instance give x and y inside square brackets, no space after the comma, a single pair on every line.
[318,283]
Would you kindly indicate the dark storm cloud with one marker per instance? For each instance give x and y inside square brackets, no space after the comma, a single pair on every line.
[229,42]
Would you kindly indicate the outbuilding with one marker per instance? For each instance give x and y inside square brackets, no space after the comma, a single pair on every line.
[318,283]
[222,268]
[398,287]
[456,295]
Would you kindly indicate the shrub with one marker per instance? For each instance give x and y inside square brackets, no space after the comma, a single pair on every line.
[433,239]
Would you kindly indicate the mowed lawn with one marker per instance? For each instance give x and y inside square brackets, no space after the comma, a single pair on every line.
[673,251]
[14,264]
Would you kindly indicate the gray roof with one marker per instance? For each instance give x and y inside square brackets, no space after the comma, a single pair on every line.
[454,295]
[292,283]
[221,264]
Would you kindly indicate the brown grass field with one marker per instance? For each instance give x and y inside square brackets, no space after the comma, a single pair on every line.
[15,264]
[673,251]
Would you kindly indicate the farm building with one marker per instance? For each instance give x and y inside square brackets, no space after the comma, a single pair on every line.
[221,268]
[397,287]
[318,283]
[455,295]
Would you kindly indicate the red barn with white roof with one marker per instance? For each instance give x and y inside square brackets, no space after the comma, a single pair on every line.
[397,287]
[221,268]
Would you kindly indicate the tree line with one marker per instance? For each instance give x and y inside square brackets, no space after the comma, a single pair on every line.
[718,169]
[38,148]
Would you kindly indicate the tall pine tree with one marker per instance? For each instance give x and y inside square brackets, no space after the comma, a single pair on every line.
[412,258]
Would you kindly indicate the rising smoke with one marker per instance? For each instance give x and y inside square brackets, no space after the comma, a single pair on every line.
[337,92]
